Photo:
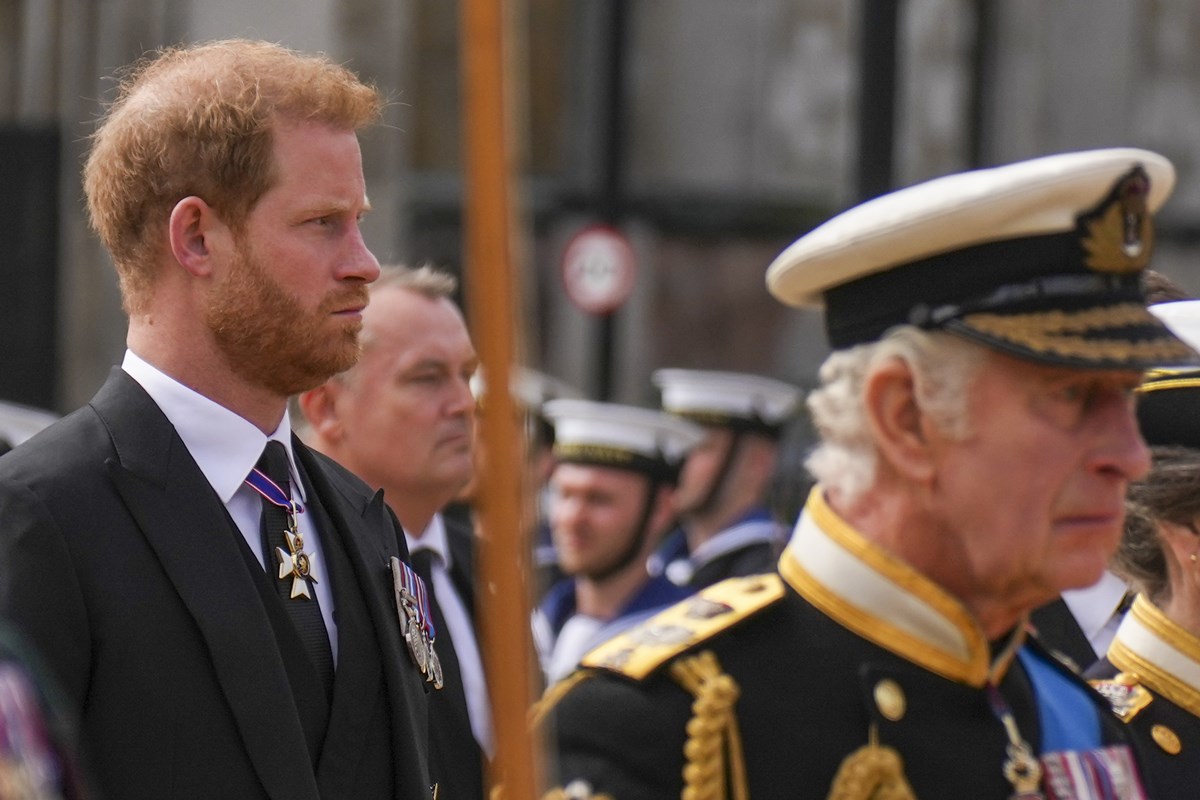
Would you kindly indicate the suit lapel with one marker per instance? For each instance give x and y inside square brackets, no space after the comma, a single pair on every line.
[184,522]
[369,537]
[358,675]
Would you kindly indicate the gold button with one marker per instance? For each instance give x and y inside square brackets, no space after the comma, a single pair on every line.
[1166,739]
[889,698]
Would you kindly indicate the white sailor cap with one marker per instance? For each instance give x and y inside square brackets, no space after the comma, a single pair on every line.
[621,437]
[1182,317]
[1041,259]
[728,399]
[531,388]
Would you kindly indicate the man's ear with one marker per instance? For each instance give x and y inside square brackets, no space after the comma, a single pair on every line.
[320,409]
[902,432]
[195,232]
[663,513]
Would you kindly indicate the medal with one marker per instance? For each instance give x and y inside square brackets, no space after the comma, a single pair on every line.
[297,563]
[293,562]
[416,625]
[435,667]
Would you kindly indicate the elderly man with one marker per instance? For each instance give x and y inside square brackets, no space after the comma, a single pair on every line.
[726,529]
[977,437]
[611,502]
[218,602]
[403,420]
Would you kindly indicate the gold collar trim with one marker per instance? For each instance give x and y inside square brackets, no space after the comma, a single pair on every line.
[1164,656]
[881,598]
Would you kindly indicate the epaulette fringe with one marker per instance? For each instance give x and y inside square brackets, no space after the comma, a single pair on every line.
[715,766]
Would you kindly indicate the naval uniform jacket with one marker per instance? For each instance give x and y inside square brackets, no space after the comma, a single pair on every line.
[1152,678]
[750,546]
[120,564]
[558,608]
[781,677]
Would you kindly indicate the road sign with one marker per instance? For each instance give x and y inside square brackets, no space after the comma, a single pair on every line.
[598,270]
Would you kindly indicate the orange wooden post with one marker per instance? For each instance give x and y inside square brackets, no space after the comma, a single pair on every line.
[491,253]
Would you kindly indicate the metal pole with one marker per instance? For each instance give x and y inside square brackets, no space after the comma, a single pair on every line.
[877,98]
[612,156]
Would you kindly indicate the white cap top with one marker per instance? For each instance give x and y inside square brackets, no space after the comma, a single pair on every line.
[608,434]
[1183,318]
[530,388]
[716,398]
[1030,198]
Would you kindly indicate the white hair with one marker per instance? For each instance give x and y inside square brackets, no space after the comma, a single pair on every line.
[943,367]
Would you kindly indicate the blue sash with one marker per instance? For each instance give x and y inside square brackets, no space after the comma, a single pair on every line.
[1068,718]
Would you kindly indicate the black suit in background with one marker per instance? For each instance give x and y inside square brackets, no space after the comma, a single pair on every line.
[1059,631]
[120,563]
[456,759]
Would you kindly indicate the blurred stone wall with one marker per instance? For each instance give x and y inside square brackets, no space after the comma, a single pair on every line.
[740,134]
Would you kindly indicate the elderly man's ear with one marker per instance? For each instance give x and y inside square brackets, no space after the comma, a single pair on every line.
[905,437]
[320,409]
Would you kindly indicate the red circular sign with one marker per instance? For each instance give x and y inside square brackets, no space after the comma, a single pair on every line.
[598,269]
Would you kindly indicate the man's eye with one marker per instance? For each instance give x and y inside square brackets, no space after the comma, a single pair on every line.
[1072,394]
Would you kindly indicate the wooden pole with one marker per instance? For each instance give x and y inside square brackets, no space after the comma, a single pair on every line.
[492,293]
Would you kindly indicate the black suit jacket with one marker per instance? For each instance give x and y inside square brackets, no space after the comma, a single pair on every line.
[1059,631]
[456,758]
[120,563]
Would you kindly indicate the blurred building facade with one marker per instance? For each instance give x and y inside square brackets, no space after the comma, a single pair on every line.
[711,133]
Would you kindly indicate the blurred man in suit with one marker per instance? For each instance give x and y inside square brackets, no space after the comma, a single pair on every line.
[403,420]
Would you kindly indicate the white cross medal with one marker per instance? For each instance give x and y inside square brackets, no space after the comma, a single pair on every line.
[294,561]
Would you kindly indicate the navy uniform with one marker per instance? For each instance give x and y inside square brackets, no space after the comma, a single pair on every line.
[1152,678]
[608,436]
[851,674]
[746,405]
[1151,673]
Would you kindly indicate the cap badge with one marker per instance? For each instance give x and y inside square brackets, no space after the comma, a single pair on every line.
[1119,234]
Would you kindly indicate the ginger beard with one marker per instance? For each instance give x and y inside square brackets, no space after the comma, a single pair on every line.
[268,338]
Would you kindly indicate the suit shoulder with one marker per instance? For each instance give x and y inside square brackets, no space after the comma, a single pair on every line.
[642,650]
[76,441]
[338,476]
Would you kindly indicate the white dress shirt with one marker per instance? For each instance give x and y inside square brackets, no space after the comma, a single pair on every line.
[462,630]
[1096,610]
[226,447]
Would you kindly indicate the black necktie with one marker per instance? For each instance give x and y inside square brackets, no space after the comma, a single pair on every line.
[422,562]
[305,613]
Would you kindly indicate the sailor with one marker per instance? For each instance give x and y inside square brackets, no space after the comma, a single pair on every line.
[611,502]
[726,528]
[977,437]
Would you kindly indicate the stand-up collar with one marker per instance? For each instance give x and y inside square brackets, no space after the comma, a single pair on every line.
[881,598]
[1164,656]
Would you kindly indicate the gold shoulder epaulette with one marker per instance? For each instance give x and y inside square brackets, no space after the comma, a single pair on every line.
[641,650]
[1125,694]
